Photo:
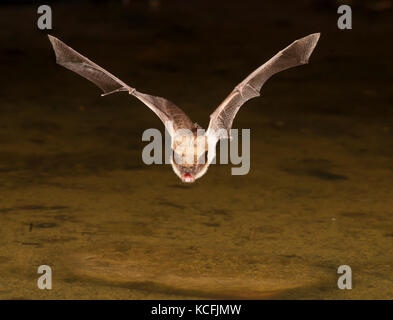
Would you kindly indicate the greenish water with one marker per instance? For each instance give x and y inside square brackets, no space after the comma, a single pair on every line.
[75,195]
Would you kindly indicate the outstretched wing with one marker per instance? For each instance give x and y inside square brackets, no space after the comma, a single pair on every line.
[171,115]
[294,55]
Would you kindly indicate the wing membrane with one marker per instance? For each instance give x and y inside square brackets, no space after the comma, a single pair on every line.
[170,114]
[294,55]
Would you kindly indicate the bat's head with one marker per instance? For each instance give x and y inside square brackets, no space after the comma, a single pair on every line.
[189,159]
[188,173]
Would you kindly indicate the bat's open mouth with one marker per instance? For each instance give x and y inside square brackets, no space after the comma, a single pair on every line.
[188,178]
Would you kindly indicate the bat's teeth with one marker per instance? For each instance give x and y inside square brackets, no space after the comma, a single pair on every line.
[188,178]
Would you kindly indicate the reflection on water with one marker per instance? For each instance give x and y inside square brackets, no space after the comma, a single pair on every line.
[75,194]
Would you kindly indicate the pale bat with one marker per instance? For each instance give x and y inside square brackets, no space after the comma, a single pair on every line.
[193,149]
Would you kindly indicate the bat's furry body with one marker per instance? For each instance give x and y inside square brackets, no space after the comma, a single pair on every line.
[193,151]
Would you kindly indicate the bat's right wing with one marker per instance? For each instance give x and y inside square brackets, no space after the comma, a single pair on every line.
[294,55]
[170,114]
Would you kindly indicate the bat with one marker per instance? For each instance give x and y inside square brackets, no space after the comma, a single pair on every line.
[193,149]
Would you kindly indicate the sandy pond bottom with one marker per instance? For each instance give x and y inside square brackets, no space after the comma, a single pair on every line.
[280,232]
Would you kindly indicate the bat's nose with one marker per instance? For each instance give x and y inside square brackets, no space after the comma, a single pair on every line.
[188,178]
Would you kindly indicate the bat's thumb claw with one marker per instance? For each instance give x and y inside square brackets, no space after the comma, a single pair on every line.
[131,91]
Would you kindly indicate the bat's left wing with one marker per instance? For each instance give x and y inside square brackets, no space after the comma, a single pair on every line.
[74,61]
[294,55]
[171,115]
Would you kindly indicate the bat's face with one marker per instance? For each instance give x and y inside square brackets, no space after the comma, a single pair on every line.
[189,159]
[188,173]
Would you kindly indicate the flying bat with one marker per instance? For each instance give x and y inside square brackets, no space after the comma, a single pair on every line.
[193,149]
